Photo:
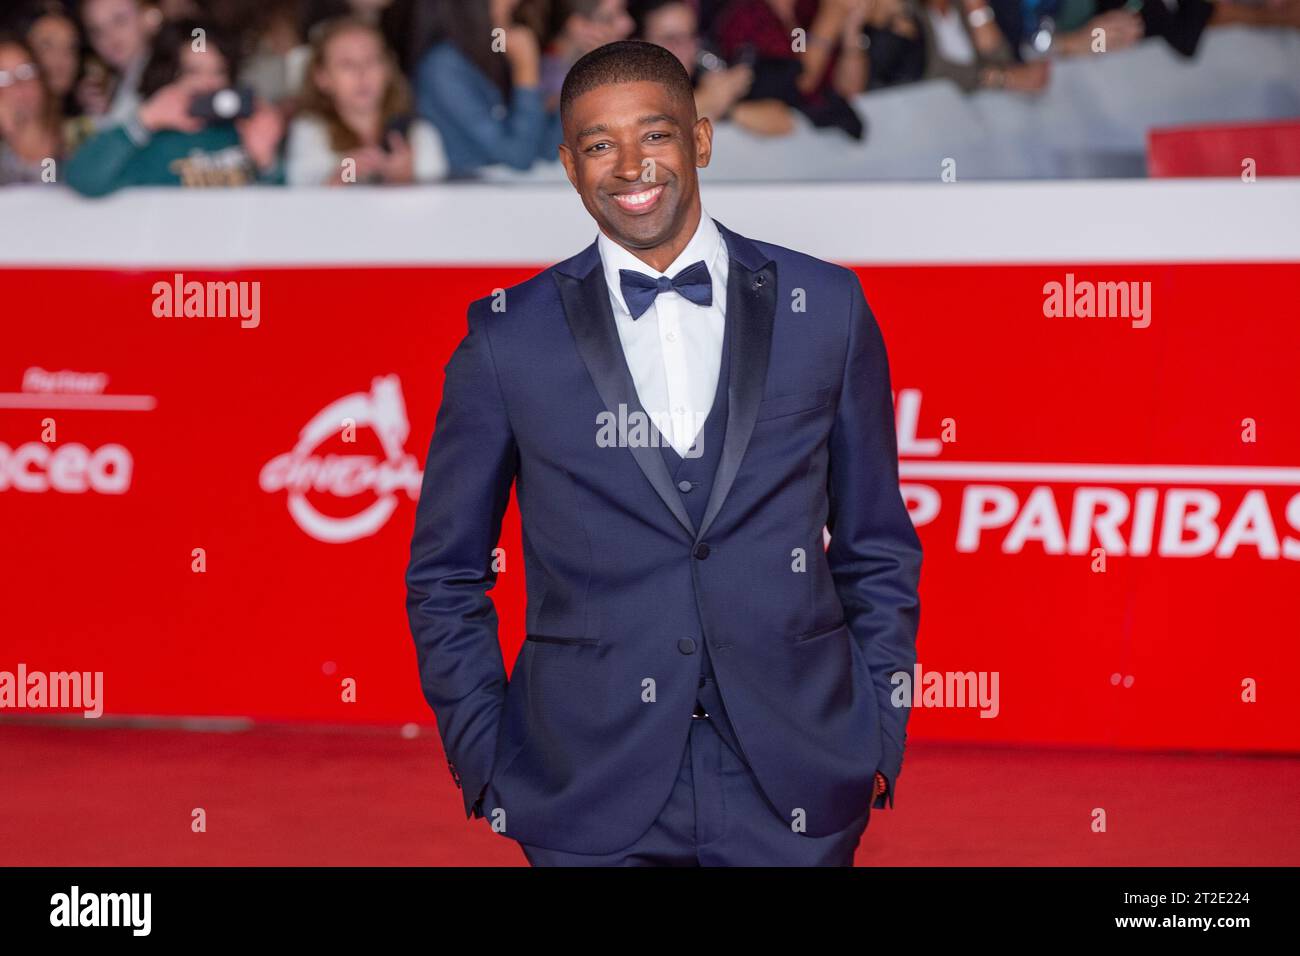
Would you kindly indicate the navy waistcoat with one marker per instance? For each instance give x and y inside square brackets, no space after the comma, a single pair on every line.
[693,475]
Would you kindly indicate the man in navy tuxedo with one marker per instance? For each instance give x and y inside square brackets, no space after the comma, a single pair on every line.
[683,412]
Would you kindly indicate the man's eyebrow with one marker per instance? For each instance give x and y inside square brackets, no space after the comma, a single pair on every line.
[642,121]
[657,118]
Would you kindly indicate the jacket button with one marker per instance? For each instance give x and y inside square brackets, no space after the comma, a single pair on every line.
[701,550]
[684,486]
[686,645]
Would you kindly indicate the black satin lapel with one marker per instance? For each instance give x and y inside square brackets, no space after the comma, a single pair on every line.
[591,319]
[751,310]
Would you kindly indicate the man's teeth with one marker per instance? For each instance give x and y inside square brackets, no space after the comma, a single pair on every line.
[641,198]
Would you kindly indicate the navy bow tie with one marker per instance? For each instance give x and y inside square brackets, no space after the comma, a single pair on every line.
[639,289]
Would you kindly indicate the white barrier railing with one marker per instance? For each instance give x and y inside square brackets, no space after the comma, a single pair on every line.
[1069,222]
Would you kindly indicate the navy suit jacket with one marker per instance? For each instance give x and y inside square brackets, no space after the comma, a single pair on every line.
[579,749]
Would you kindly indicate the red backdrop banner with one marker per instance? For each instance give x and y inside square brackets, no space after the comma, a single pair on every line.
[1103,463]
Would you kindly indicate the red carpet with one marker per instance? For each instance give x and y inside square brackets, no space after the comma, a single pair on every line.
[79,796]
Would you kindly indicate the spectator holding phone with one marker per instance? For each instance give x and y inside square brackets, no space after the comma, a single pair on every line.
[355,123]
[480,88]
[190,130]
[30,119]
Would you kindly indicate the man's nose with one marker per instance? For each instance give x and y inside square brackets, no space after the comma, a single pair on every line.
[633,165]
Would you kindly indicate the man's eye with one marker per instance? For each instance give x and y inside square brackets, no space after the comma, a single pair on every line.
[595,146]
[660,135]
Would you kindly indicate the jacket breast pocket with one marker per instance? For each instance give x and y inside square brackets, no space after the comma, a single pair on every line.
[782,405]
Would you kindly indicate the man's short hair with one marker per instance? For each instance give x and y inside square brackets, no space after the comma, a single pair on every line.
[627,61]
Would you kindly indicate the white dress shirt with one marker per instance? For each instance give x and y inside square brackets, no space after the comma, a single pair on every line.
[674,350]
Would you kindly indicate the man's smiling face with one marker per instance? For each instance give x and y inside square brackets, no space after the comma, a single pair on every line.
[631,151]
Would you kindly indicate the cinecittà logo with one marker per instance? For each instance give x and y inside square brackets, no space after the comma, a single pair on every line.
[383,410]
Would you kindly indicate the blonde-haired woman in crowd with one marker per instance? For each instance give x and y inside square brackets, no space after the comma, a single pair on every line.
[355,124]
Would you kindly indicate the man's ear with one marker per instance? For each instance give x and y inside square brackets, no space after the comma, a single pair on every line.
[703,142]
[570,166]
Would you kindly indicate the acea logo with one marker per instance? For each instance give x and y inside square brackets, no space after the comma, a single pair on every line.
[48,465]
[310,474]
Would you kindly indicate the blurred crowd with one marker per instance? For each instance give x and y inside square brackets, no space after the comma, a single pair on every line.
[104,94]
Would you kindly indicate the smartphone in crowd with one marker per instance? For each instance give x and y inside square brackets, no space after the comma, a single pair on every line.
[398,124]
[223,105]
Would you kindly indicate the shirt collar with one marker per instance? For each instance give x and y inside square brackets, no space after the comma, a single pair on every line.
[705,244]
